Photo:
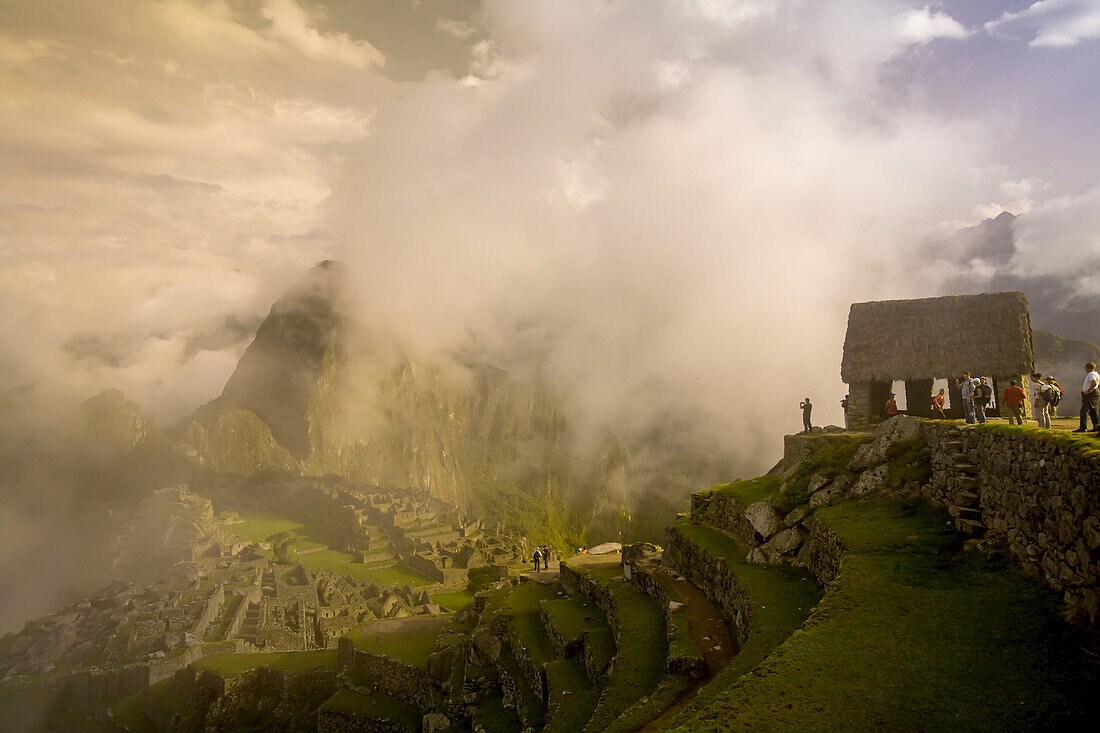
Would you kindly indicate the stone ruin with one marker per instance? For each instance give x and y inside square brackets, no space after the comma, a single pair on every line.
[919,341]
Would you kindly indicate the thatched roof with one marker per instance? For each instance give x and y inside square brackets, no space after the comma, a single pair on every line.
[938,337]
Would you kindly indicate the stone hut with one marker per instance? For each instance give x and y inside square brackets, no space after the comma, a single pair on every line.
[919,341]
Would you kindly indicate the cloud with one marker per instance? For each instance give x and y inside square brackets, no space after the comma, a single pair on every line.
[925,24]
[1051,23]
[1061,237]
[290,25]
[686,243]
[161,181]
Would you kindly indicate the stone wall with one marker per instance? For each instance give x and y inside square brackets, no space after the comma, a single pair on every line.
[725,512]
[1038,498]
[675,622]
[339,721]
[400,680]
[714,578]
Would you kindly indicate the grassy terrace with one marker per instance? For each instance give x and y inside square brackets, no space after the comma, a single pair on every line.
[1084,443]
[410,640]
[642,648]
[229,665]
[375,705]
[573,616]
[780,598]
[571,694]
[912,636]
[749,491]
[309,545]
[458,601]
[164,695]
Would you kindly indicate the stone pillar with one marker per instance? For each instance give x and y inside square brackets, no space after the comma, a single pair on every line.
[859,406]
[956,411]
[918,397]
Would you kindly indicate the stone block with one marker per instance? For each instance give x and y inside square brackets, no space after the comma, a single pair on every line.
[763,518]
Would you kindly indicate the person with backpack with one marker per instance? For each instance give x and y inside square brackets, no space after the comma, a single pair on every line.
[537,558]
[1014,401]
[1090,399]
[982,393]
[1041,401]
[1055,396]
[966,389]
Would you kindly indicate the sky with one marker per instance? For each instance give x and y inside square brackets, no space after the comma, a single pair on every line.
[658,204]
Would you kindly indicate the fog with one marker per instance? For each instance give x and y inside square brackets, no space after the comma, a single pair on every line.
[660,209]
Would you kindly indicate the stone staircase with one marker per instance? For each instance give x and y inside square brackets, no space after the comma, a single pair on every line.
[963,478]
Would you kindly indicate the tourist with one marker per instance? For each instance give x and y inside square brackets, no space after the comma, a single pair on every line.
[891,406]
[545,557]
[1090,399]
[806,406]
[938,402]
[1041,402]
[538,557]
[982,393]
[966,388]
[1014,401]
[1061,392]
[844,406]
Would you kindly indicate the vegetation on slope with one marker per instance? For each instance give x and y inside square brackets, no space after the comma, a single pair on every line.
[410,640]
[780,600]
[913,636]
[642,648]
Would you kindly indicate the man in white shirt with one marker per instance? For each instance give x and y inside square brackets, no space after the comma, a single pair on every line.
[1041,393]
[966,389]
[1090,399]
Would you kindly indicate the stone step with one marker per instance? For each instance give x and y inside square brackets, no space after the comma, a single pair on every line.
[970,527]
[966,512]
[967,482]
[967,468]
[966,498]
[954,445]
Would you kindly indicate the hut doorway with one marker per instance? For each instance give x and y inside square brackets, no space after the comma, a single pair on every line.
[918,397]
[879,393]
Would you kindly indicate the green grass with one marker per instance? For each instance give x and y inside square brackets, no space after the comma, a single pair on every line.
[913,636]
[229,665]
[292,536]
[522,607]
[375,705]
[749,491]
[642,648]
[414,645]
[909,461]
[495,718]
[575,697]
[1083,443]
[830,459]
[480,578]
[780,599]
[459,601]
[671,688]
[573,616]
[258,526]
[164,695]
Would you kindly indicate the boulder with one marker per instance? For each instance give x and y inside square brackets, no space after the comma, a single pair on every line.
[486,647]
[763,518]
[895,430]
[870,481]
[435,722]
[783,543]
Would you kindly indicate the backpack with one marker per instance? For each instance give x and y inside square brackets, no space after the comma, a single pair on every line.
[1055,396]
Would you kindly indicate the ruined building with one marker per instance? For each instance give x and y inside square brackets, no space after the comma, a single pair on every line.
[919,341]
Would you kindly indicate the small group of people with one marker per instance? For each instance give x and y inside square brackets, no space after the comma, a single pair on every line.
[1046,394]
[542,555]
[977,395]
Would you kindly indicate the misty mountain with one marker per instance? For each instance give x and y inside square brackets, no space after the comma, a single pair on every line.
[308,396]
[982,260]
